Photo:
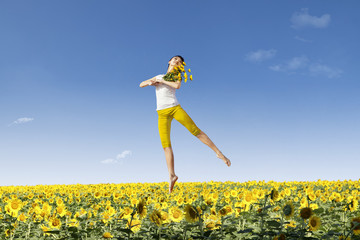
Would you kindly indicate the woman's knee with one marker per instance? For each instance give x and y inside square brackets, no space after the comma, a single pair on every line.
[198,133]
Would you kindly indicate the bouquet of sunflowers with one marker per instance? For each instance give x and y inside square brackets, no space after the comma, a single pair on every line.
[178,73]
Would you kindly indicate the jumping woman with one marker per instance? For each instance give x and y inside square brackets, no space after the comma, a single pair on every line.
[168,108]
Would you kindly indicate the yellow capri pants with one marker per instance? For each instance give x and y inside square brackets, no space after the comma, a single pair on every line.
[166,116]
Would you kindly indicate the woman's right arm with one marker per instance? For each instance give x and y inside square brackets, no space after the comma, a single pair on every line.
[148,82]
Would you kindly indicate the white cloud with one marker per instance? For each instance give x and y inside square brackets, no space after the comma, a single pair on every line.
[303,64]
[123,154]
[303,19]
[22,120]
[302,39]
[291,65]
[260,55]
[320,69]
[297,62]
[119,158]
[109,161]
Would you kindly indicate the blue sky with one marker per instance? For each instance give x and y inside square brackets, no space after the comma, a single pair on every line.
[276,87]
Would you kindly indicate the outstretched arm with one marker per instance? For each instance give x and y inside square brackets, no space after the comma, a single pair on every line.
[171,84]
[148,82]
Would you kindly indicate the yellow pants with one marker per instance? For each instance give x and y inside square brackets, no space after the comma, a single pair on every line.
[166,116]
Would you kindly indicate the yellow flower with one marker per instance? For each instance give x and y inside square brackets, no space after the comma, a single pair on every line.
[135,225]
[212,222]
[312,196]
[107,235]
[356,229]
[164,217]
[191,77]
[13,207]
[291,224]
[233,193]
[155,217]
[22,217]
[189,70]
[141,209]
[61,210]
[73,223]
[288,210]
[175,214]
[190,213]
[45,229]
[353,205]
[314,223]
[280,237]
[222,212]
[248,198]
[106,217]
[54,222]
[274,195]
[184,63]
[305,213]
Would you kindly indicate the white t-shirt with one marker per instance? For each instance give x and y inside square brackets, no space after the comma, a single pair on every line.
[165,95]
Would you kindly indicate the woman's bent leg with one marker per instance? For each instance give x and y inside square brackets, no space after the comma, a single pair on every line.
[205,139]
[181,116]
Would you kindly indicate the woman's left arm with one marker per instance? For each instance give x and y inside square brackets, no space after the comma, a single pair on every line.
[176,85]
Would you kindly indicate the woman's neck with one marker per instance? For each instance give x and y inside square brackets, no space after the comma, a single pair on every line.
[170,68]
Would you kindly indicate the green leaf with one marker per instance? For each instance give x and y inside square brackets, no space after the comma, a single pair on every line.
[53,231]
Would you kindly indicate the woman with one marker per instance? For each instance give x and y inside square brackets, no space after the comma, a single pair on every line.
[168,108]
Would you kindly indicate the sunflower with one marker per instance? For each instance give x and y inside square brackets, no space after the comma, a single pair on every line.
[106,217]
[305,213]
[73,223]
[222,212]
[97,194]
[175,214]
[355,225]
[61,210]
[54,222]
[274,195]
[353,205]
[233,193]
[155,217]
[292,224]
[164,217]
[135,225]
[314,223]
[22,217]
[312,196]
[191,214]
[212,222]
[141,209]
[280,237]
[288,210]
[45,229]
[13,207]
[107,235]
[248,198]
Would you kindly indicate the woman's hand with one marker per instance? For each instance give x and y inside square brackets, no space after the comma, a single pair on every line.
[154,82]
[150,82]
[159,81]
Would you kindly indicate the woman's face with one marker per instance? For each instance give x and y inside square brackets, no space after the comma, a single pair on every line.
[175,61]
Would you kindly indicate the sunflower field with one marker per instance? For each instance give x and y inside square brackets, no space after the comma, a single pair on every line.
[194,210]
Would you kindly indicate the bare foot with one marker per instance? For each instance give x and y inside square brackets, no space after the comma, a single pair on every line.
[172,183]
[225,159]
